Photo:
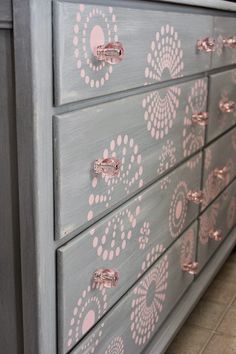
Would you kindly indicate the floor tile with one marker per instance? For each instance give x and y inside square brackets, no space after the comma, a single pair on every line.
[227,273]
[220,291]
[221,345]
[190,340]
[232,258]
[228,324]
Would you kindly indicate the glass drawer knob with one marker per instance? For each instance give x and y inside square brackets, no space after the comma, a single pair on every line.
[221,173]
[206,45]
[215,235]
[230,42]
[191,268]
[200,118]
[107,277]
[227,106]
[195,197]
[108,167]
[112,53]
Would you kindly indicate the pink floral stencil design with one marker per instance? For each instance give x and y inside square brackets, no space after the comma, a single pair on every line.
[151,257]
[89,346]
[112,239]
[130,177]
[116,346]
[94,26]
[144,237]
[167,160]
[187,247]
[208,222]
[147,303]
[90,306]
[178,209]
[193,137]
[231,213]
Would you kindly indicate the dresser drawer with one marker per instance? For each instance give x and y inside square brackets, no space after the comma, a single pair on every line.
[157,47]
[215,223]
[222,103]
[219,166]
[122,241]
[127,129]
[225,36]
[133,321]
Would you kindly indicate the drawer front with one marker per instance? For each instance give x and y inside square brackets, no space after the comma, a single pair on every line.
[123,241]
[146,145]
[222,103]
[134,320]
[215,223]
[157,47]
[219,166]
[225,51]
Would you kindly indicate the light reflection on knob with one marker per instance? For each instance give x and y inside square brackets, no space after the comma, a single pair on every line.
[108,167]
[195,197]
[206,45]
[112,53]
[191,268]
[200,118]
[227,106]
[107,277]
[215,235]
[221,173]
[230,42]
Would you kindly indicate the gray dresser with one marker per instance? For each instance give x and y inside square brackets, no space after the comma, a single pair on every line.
[118,154]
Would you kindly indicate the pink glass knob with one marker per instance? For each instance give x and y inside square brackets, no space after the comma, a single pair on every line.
[230,42]
[107,277]
[206,45]
[108,167]
[195,196]
[227,106]
[112,53]
[215,235]
[191,267]
[200,118]
[221,173]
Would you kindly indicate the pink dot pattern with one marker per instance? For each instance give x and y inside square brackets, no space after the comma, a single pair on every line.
[144,237]
[187,247]
[208,222]
[126,150]
[89,346]
[116,346]
[231,213]
[151,257]
[193,138]
[93,299]
[167,159]
[178,209]
[93,72]
[147,303]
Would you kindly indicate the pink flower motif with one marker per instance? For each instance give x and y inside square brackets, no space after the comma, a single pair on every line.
[116,346]
[167,160]
[178,209]
[145,232]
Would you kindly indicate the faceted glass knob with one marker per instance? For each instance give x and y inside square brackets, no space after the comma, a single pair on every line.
[215,235]
[227,106]
[108,167]
[222,173]
[112,53]
[107,277]
[230,42]
[206,45]
[200,118]
[195,197]
[191,268]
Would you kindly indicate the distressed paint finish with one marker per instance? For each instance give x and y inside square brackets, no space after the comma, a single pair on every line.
[221,215]
[149,133]
[152,53]
[222,88]
[220,154]
[124,240]
[156,293]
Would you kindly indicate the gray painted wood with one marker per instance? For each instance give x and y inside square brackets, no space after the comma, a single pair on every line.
[222,29]
[134,320]
[216,4]
[77,29]
[222,88]
[123,241]
[33,63]
[5,12]
[149,139]
[220,154]
[10,274]
[219,216]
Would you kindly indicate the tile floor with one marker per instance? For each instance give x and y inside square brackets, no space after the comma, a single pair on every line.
[211,327]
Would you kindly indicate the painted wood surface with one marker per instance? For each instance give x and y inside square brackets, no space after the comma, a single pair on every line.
[219,216]
[223,28]
[219,155]
[216,4]
[5,12]
[152,53]
[135,319]
[11,336]
[149,133]
[124,240]
[222,89]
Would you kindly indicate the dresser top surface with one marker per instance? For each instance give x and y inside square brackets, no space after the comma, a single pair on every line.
[212,4]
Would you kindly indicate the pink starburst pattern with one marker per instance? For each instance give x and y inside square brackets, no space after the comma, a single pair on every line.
[112,238]
[148,300]
[91,344]
[93,27]
[231,213]
[145,233]
[151,257]
[208,222]
[126,150]
[193,136]
[116,346]
[167,160]
[178,209]
[187,247]
[90,306]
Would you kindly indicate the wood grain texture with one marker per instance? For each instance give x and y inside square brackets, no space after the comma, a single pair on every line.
[222,88]
[11,336]
[78,75]
[149,133]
